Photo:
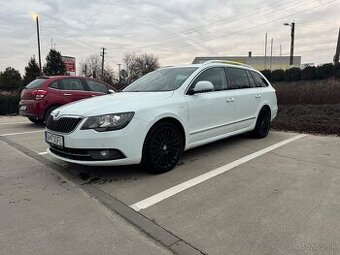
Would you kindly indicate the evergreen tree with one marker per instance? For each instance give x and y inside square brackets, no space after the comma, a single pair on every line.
[32,70]
[10,79]
[54,64]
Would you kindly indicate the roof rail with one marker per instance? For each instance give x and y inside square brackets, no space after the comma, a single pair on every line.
[227,62]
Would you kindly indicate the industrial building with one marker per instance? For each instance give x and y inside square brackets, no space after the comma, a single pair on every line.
[258,62]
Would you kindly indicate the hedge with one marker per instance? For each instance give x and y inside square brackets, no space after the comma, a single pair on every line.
[9,104]
[278,75]
[309,73]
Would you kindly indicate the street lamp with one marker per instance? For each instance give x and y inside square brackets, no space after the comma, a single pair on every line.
[36,18]
[292,25]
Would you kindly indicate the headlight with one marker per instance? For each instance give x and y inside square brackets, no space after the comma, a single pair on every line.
[108,122]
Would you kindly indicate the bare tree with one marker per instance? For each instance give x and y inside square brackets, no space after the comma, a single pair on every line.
[139,65]
[91,67]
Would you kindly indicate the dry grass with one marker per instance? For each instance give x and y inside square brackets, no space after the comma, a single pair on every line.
[315,92]
[314,119]
[309,106]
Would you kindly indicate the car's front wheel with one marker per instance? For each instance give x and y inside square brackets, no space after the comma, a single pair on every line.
[163,148]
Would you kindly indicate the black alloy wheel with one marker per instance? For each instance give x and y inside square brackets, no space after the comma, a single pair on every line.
[163,148]
[262,124]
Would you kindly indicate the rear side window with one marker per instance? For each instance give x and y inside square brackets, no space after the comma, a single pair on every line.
[72,84]
[239,78]
[35,84]
[54,85]
[251,80]
[97,86]
[216,76]
[259,80]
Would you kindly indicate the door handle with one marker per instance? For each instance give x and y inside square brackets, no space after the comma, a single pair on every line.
[230,100]
[258,96]
[67,94]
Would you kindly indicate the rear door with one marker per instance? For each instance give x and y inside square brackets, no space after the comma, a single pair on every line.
[246,97]
[74,89]
[97,88]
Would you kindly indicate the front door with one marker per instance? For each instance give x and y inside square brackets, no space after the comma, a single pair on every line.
[210,113]
[73,89]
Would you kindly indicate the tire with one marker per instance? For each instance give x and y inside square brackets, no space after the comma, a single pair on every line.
[36,121]
[262,126]
[163,148]
[48,112]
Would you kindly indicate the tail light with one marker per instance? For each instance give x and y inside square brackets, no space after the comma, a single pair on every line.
[38,94]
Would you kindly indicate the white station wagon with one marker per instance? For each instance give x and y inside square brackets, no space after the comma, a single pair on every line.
[154,119]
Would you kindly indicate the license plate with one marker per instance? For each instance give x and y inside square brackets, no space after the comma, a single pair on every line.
[54,139]
[23,108]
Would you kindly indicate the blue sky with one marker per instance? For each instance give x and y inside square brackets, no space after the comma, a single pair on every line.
[174,30]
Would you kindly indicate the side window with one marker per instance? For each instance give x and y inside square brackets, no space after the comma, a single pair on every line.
[239,78]
[72,84]
[251,80]
[216,76]
[54,85]
[97,86]
[259,80]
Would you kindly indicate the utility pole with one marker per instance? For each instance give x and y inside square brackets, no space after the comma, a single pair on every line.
[271,53]
[119,71]
[337,52]
[292,35]
[102,54]
[281,55]
[38,35]
[265,53]
[292,44]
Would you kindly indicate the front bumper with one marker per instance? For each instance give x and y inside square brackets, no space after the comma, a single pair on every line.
[125,144]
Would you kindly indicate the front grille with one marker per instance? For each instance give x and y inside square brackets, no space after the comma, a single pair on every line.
[62,125]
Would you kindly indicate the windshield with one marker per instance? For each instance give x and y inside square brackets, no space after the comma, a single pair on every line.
[161,80]
[35,84]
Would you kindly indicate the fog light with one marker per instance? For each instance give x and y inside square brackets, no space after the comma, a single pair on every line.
[106,154]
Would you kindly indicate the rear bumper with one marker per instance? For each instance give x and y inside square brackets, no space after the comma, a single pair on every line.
[31,108]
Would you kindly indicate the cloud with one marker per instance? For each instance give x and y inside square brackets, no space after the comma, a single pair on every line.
[175,30]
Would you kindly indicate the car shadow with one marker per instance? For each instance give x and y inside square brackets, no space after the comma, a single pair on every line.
[108,174]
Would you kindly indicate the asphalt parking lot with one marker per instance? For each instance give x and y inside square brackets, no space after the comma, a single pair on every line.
[278,195]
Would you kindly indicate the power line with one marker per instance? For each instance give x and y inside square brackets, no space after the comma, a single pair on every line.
[259,14]
[264,23]
[249,21]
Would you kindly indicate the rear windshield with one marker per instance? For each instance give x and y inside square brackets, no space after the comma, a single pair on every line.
[35,84]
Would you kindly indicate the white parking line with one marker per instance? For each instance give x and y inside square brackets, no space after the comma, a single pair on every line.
[204,177]
[18,122]
[43,153]
[22,133]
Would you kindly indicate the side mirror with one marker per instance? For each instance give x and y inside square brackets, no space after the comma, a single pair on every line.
[202,86]
[111,91]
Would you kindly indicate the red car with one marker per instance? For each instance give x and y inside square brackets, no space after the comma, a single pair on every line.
[46,93]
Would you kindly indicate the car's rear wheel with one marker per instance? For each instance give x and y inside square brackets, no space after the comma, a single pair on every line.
[262,124]
[163,148]
[36,121]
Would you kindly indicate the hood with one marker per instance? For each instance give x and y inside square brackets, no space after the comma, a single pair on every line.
[114,103]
